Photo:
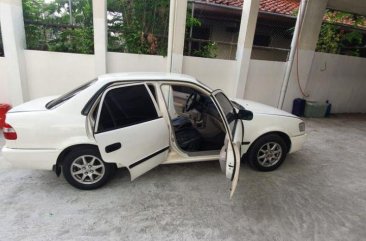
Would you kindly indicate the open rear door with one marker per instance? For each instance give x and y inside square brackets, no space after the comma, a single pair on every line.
[130,130]
[231,152]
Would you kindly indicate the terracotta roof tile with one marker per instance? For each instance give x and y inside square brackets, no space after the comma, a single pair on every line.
[287,7]
[346,20]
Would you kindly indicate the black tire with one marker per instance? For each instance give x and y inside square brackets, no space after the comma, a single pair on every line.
[257,163]
[88,153]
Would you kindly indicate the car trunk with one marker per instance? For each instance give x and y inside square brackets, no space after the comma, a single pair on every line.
[33,105]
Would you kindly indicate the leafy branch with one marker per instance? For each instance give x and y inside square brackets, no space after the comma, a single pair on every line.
[336,39]
[52,26]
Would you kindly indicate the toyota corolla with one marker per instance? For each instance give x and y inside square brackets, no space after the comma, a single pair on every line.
[141,120]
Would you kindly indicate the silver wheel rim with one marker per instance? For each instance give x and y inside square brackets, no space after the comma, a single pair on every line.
[87,169]
[269,154]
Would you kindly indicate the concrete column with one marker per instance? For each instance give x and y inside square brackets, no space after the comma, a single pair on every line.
[245,43]
[308,39]
[313,20]
[177,27]
[13,34]
[100,36]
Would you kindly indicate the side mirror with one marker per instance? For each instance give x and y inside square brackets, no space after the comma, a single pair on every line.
[245,115]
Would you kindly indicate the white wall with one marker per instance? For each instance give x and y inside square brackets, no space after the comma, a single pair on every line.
[339,79]
[293,89]
[264,81]
[51,73]
[122,62]
[4,95]
[216,73]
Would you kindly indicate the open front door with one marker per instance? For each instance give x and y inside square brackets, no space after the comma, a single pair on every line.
[230,162]
[230,154]
[130,130]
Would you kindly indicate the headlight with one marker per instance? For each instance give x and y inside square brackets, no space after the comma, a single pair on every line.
[302,127]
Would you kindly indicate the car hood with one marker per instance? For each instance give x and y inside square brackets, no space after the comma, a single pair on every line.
[33,105]
[258,108]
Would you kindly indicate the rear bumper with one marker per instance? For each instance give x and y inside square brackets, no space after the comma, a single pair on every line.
[30,159]
[297,142]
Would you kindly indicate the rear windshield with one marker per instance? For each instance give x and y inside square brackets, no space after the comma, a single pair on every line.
[69,95]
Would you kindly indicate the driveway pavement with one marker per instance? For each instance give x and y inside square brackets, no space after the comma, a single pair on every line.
[318,194]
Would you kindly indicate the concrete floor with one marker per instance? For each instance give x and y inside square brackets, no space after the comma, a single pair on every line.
[318,194]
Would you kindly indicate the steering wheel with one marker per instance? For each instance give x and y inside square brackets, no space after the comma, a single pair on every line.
[191,101]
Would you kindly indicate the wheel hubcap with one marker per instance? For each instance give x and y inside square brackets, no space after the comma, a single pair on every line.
[87,169]
[269,154]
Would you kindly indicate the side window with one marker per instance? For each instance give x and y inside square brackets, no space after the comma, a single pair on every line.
[126,106]
[152,90]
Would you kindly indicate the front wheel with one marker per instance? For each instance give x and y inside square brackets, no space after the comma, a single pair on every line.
[267,153]
[85,169]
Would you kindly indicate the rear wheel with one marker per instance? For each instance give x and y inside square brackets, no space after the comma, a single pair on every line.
[267,153]
[85,169]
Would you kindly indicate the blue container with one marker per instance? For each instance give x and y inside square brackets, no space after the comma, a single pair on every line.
[298,107]
[329,108]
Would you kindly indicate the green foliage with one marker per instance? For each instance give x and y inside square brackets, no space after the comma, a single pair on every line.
[136,26]
[192,22]
[295,12]
[206,50]
[335,39]
[49,26]
[74,41]
[329,39]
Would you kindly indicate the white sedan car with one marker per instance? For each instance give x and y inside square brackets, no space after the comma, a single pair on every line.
[141,120]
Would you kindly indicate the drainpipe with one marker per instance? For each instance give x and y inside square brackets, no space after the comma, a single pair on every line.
[191,32]
[293,50]
[171,34]
[70,8]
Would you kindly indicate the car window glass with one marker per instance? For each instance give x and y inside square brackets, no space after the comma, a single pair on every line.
[95,111]
[228,110]
[126,106]
[183,89]
[152,90]
[69,95]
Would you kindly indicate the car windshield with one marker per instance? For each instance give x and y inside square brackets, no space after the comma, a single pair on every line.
[69,95]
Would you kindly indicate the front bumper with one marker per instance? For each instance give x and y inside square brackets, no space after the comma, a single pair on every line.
[297,142]
[30,158]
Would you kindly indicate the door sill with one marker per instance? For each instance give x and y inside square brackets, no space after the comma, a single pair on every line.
[174,157]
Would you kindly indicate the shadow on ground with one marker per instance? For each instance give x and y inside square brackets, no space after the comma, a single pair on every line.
[318,194]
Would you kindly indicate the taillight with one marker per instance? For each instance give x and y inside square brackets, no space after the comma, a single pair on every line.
[9,132]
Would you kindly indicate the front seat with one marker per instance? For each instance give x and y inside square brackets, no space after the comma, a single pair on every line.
[188,138]
[181,122]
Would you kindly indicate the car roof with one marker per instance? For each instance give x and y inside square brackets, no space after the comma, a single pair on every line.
[143,76]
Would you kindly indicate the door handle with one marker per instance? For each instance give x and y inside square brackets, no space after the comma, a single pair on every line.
[113,147]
